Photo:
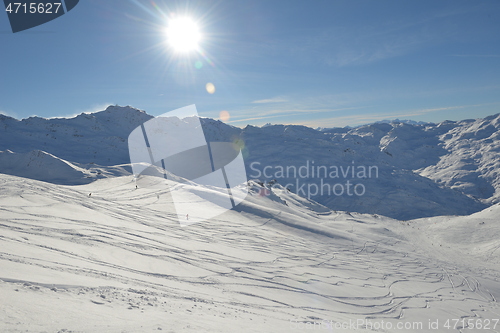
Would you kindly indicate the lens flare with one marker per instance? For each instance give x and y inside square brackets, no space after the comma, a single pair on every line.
[207,59]
[210,88]
[238,144]
[224,116]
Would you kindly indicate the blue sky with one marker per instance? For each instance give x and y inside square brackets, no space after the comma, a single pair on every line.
[317,63]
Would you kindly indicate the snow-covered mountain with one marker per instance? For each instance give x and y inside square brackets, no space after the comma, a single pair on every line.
[397,169]
[99,138]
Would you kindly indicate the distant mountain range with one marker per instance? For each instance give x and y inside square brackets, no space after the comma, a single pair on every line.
[385,121]
[401,169]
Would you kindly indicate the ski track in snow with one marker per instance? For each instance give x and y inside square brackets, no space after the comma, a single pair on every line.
[118,261]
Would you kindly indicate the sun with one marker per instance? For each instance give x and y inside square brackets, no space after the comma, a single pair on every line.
[183,34]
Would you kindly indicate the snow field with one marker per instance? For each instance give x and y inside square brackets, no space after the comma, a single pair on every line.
[118,261]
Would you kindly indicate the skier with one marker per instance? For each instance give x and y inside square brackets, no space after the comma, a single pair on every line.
[187,216]
[90,194]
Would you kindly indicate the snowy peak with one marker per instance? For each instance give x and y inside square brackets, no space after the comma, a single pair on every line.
[113,118]
[217,131]
[97,137]
[404,121]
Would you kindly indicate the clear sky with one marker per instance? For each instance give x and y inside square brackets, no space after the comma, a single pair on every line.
[318,63]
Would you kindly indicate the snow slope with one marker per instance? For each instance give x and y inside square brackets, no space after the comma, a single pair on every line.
[43,166]
[474,239]
[118,261]
[423,170]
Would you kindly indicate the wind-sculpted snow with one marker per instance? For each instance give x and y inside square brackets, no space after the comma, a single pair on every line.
[419,169]
[43,166]
[118,261]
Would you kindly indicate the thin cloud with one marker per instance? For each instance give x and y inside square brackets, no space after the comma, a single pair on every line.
[288,113]
[9,114]
[354,120]
[475,55]
[251,119]
[425,111]
[97,108]
[270,100]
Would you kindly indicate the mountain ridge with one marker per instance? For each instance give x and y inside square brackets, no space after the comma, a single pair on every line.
[450,168]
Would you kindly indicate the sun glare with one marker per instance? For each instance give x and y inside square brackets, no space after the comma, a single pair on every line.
[183,34]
